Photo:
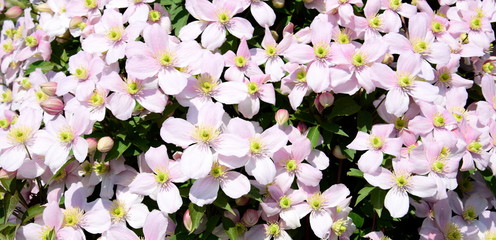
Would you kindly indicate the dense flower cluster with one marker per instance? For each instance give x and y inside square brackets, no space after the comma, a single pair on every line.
[96,143]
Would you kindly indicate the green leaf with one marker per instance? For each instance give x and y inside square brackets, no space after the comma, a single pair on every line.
[344,106]
[211,224]
[377,199]
[230,228]
[180,19]
[45,66]
[221,202]
[354,173]
[313,135]
[61,170]
[32,212]
[357,219]
[334,128]
[119,148]
[363,193]
[364,121]
[9,204]
[254,194]
[196,213]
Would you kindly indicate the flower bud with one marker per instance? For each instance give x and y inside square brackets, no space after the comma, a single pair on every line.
[44,7]
[336,151]
[234,216]
[75,21]
[250,218]
[278,3]
[302,127]
[242,201]
[282,116]
[177,155]
[317,104]
[13,12]
[92,143]
[188,224]
[52,105]
[326,99]
[388,59]
[105,144]
[49,88]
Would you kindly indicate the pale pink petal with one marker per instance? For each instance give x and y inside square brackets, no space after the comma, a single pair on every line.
[308,175]
[320,222]
[143,183]
[155,226]
[170,134]
[397,202]
[199,156]
[204,191]
[231,145]
[214,36]
[240,28]
[168,199]
[96,221]
[156,158]
[318,76]
[263,169]
[397,102]
[172,81]
[235,184]
[370,161]
[192,30]
[136,215]
[263,13]
[142,66]
[383,179]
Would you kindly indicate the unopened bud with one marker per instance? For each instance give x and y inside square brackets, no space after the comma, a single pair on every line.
[302,127]
[250,218]
[92,143]
[13,12]
[44,7]
[105,144]
[336,151]
[274,34]
[52,105]
[75,21]
[282,116]
[388,59]
[234,215]
[188,224]
[49,88]
[242,201]
[177,155]
[317,104]
[278,3]
[326,99]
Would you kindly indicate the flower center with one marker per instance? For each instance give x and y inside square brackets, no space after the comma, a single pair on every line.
[223,17]
[488,67]
[166,59]
[343,38]
[6,96]
[31,41]
[117,211]
[445,76]
[115,34]
[161,176]
[154,16]
[252,87]
[40,96]
[132,87]
[316,201]
[240,61]
[271,51]
[284,202]
[400,123]
[101,168]
[217,171]
[438,166]
[469,214]
[273,229]
[66,136]
[420,46]
[291,165]
[474,147]
[394,4]
[255,147]
[339,226]
[4,123]
[72,216]
[453,232]
[47,233]
[490,235]
[375,22]
[301,76]
[86,169]
[96,99]
[320,51]
[401,181]
[25,83]
[438,120]
[19,134]
[90,3]
[437,27]
[476,23]
[376,142]
[358,59]
[8,47]
[81,73]
[205,134]
[405,81]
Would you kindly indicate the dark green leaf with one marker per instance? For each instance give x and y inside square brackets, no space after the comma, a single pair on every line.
[9,204]
[377,199]
[32,212]
[119,148]
[363,193]
[313,135]
[344,106]
[196,213]
[357,219]
[221,202]
[231,229]
[354,173]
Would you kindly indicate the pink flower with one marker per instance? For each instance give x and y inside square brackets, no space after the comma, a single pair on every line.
[199,135]
[240,64]
[376,143]
[214,18]
[233,184]
[127,207]
[126,93]
[261,11]
[344,8]
[159,183]
[295,84]
[110,36]
[288,203]
[400,182]
[136,11]
[36,43]
[435,120]
[161,56]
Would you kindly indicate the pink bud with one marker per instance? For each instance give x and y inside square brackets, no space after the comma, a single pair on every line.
[92,143]
[282,116]
[177,155]
[75,21]
[278,3]
[302,127]
[326,99]
[13,12]
[250,218]
[388,59]
[49,88]
[52,106]
[317,104]
[234,217]
[242,201]
[338,153]
[188,224]
[105,144]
